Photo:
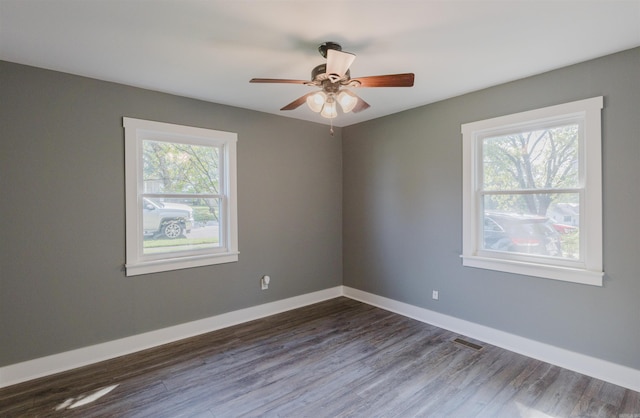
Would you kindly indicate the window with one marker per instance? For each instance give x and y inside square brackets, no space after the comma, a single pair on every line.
[532,193]
[181,206]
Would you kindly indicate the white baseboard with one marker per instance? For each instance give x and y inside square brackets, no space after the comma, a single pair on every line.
[590,366]
[600,369]
[44,366]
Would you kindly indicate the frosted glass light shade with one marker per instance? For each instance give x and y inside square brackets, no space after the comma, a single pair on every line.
[329,110]
[347,100]
[316,101]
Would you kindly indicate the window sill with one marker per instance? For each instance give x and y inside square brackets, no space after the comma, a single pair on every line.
[567,274]
[146,267]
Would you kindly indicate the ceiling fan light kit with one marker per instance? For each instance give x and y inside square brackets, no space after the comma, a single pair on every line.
[333,78]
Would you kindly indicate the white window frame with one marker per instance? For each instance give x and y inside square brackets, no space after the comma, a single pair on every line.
[137,131]
[588,270]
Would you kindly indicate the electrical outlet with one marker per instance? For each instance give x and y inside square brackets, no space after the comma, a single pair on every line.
[435,295]
[264,282]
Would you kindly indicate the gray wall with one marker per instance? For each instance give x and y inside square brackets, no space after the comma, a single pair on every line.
[62,214]
[402,214]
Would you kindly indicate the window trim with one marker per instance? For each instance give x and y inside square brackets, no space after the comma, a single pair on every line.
[589,269]
[138,130]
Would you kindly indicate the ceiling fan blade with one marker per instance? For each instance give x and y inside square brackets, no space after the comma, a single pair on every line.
[297,102]
[360,106]
[389,80]
[338,62]
[277,80]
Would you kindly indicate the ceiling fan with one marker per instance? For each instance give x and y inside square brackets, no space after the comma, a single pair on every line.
[334,80]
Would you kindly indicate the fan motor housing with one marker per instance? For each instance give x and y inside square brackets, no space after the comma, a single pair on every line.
[319,75]
[318,71]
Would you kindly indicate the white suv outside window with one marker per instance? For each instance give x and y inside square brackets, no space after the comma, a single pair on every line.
[170,220]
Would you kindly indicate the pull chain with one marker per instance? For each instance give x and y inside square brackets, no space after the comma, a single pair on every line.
[331,130]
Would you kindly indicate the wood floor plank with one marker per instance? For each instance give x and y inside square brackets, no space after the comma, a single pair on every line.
[493,374]
[561,396]
[339,358]
[357,371]
[500,390]
[630,404]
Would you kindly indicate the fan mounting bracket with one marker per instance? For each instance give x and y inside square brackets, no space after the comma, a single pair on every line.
[323,48]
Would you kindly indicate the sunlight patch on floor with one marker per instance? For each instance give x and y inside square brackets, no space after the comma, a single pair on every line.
[85,399]
[527,412]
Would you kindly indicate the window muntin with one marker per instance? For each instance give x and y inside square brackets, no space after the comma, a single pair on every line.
[524,176]
[181,205]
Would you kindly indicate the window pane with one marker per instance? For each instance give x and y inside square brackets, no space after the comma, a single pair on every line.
[539,224]
[538,159]
[172,225]
[180,168]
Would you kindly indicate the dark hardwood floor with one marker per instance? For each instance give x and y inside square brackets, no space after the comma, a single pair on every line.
[339,358]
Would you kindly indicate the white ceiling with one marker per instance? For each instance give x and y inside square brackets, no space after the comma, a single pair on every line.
[209,49]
